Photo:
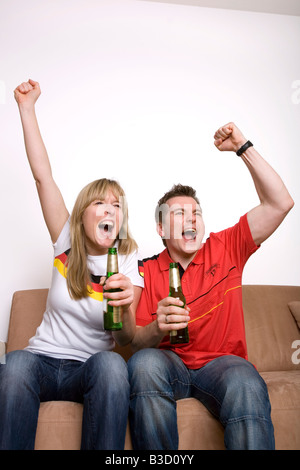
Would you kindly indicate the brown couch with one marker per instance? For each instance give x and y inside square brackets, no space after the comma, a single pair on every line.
[271,315]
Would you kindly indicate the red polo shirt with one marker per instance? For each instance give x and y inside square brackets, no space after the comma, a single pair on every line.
[212,288]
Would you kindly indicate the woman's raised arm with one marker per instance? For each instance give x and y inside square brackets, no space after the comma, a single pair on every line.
[53,206]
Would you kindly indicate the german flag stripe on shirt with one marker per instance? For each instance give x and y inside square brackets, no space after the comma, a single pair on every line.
[141,268]
[94,289]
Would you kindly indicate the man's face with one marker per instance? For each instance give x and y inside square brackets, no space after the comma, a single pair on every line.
[182,227]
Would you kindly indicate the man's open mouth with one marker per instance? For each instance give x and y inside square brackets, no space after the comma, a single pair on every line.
[189,234]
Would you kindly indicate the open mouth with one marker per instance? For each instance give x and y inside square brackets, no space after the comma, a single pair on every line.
[189,234]
[106,228]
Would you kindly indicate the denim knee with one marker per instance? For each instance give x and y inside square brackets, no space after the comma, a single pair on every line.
[149,369]
[142,359]
[247,391]
[108,361]
[108,366]
[19,368]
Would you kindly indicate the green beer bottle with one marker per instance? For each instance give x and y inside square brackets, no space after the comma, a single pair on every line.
[177,336]
[112,315]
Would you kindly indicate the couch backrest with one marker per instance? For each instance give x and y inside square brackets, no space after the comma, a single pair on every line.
[270,326]
[26,314]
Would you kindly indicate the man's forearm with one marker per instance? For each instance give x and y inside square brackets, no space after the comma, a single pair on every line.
[124,336]
[147,336]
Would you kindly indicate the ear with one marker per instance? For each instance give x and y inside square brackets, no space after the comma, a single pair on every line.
[160,230]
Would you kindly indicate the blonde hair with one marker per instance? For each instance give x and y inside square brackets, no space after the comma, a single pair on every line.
[78,276]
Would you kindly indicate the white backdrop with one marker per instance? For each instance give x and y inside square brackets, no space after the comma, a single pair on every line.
[135,90]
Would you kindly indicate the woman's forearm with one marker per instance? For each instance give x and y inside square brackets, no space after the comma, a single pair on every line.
[34,145]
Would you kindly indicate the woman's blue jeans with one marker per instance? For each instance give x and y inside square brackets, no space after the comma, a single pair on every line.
[100,383]
[230,387]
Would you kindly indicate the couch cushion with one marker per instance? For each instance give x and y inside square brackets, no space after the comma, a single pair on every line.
[197,427]
[59,426]
[284,392]
[270,327]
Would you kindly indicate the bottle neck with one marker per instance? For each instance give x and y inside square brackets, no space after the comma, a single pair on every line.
[174,278]
[112,264]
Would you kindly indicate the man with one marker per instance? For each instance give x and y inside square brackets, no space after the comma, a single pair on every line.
[213,366]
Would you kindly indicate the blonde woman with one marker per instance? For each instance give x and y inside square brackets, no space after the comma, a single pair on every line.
[70,357]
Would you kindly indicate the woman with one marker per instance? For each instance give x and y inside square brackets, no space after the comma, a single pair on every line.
[70,357]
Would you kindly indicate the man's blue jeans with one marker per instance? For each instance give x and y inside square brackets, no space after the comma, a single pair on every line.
[229,386]
[100,383]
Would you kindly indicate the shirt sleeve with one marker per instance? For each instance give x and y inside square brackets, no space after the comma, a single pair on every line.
[130,269]
[238,241]
[63,242]
[143,315]
[145,310]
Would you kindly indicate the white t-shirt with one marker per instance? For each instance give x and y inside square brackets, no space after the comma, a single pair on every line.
[73,329]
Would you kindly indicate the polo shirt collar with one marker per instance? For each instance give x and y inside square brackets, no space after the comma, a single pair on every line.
[164,259]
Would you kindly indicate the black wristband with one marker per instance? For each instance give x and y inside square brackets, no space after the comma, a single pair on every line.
[244,148]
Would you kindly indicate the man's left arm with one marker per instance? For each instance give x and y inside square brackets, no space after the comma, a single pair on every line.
[275,200]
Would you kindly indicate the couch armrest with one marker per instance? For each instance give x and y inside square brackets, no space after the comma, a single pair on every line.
[2,348]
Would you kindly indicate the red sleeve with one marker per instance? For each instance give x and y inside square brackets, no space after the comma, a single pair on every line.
[143,313]
[238,241]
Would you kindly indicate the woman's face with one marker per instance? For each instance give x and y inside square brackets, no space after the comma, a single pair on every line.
[102,220]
